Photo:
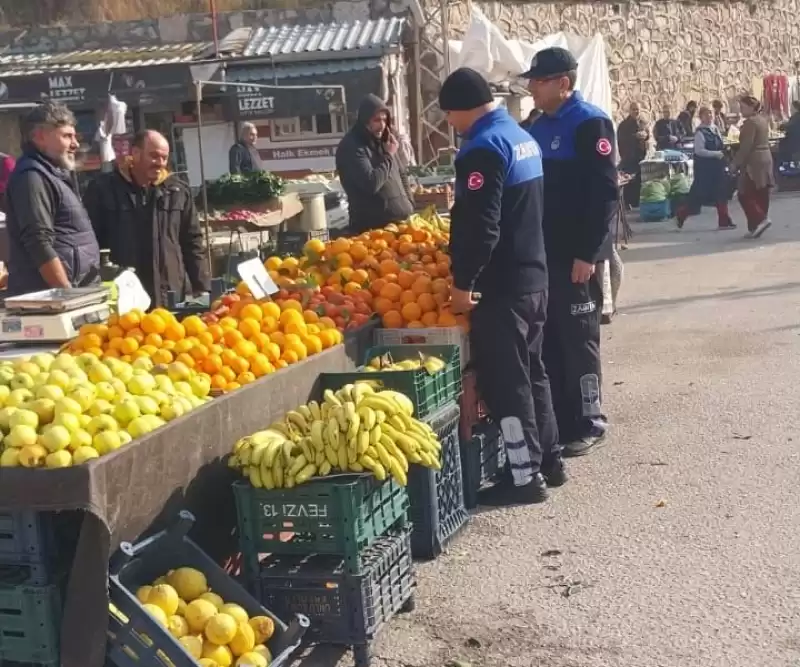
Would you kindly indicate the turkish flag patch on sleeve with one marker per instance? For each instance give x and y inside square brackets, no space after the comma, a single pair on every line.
[475,180]
[604,147]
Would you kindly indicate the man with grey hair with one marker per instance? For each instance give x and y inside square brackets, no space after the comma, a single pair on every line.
[243,156]
[51,240]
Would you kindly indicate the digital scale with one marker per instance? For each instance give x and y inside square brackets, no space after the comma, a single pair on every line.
[52,316]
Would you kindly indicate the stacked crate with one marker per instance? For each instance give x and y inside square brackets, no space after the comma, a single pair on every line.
[335,549]
[35,551]
[436,498]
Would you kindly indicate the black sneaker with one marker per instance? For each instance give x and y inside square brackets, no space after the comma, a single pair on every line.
[583,445]
[507,495]
[555,472]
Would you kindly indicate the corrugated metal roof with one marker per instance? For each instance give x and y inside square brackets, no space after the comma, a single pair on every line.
[266,74]
[325,37]
[20,64]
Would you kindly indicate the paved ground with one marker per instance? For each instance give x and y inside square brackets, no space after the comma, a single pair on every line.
[678,544]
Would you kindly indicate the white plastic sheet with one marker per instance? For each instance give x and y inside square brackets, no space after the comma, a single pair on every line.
[487,51]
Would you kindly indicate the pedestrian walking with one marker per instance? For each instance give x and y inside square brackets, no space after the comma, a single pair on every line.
[581,201]
[711,184]
[753,160]
[500,278]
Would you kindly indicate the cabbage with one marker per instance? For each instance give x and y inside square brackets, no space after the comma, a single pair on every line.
[654,191]
[678,185]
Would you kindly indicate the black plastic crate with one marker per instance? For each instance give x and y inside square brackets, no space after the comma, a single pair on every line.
[358,341]
[436,497]
[136,639]
[337,515]
[344,609]
[427,392]
[482,459]
[30,623]
[291,243]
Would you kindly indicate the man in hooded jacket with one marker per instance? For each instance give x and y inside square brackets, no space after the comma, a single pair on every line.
[371,170]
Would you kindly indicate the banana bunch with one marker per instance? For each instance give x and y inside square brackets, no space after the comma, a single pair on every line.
[355,429]
[429,220]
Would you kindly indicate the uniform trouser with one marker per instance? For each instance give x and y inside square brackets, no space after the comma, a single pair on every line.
[571,352]
[506,343]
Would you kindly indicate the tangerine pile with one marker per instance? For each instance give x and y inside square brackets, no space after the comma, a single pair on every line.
[253,340]
[401,272]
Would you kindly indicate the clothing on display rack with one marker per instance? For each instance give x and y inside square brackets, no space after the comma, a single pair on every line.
[776,95]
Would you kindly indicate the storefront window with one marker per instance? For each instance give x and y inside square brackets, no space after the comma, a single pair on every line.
[285,129]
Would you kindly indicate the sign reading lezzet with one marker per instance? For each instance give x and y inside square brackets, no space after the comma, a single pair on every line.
[298,153]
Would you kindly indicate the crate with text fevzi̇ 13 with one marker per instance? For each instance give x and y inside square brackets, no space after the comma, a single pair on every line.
[334,515]
[136,639]
[345,609]
[427,391]
[436,497]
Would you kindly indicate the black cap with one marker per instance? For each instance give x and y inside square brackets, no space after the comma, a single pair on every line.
[549,63]
[463,90]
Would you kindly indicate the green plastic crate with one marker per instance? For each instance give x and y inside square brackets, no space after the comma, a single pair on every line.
[338,515]
[427,392]
[30,623]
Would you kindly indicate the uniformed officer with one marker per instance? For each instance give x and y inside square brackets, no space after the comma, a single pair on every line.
[580,203]
[500,277]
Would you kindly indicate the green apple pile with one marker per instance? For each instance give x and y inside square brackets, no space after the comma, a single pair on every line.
[59,411]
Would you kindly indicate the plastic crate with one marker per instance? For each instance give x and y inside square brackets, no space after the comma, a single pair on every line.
[358,341]
[436,497]
[427,392]
[329,515]
[135,638]
[30,623]
[26,536]
[482,458]
[343,608]
[291,243]
[436,336]
[473,409]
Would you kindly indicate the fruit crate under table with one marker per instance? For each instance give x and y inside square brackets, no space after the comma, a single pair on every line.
[436,497]
[427,392]
[30,624]
[473,409]
[482,458]
[136,639]
[344,608]
[337,515]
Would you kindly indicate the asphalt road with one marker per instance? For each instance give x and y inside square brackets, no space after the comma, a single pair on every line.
[678,543]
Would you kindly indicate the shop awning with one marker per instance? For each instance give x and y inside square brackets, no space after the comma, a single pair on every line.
[82,78]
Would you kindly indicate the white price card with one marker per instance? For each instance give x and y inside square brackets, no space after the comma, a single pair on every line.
[130,293]
[255,276]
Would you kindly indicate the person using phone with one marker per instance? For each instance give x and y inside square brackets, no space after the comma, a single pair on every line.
[370,167]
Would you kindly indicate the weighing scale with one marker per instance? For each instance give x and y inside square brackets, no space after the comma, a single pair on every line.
[53,315]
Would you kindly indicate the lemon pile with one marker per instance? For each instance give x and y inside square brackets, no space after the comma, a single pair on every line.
[215,633]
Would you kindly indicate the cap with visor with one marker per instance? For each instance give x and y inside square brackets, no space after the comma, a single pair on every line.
[549,63]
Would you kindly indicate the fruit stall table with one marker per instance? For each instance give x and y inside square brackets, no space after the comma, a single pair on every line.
[135,489]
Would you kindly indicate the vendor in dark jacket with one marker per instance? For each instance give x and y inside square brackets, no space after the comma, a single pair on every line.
[632,137]
[146,217]
[370,169]
[243,156]
[667,131]
[50,237]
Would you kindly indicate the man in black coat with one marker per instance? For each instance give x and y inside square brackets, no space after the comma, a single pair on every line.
[243,156]
[146,217]
[371,170]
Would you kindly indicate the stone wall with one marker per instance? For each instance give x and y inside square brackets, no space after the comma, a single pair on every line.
[666,51]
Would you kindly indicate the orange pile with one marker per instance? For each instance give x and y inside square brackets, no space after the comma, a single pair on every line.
[252,340]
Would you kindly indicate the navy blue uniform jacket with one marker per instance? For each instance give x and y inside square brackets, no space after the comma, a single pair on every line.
[580,181]
[496,243]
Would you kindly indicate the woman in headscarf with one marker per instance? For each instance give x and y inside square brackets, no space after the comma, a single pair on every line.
[711,183]
[753,160]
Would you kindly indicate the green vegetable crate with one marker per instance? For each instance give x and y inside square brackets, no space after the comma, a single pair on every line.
[337,515]
[427,391]
[30,623]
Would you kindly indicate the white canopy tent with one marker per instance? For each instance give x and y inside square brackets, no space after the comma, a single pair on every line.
[486,50]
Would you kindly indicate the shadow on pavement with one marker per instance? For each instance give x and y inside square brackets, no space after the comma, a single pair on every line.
[732,294]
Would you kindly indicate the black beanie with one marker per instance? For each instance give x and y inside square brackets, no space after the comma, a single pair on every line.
[464,90]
